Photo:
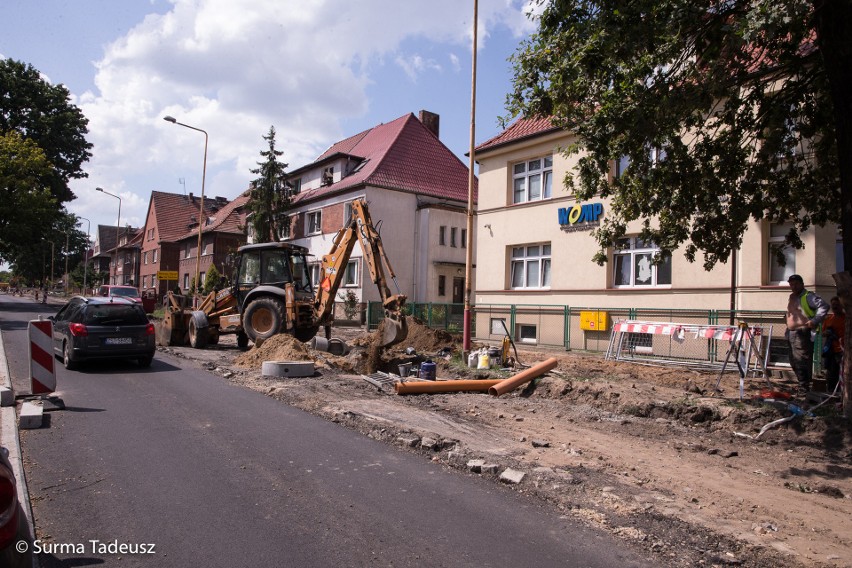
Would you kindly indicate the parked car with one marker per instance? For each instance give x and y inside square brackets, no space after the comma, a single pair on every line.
[13,522]
[113,291]
[102,328]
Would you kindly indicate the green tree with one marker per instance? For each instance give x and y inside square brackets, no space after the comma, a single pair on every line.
[727,110]
[27,209]
[270,196]
[43,113]
[211,279]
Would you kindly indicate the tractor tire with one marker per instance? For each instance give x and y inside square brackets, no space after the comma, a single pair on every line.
[199,330]
[263,318]
[242,340]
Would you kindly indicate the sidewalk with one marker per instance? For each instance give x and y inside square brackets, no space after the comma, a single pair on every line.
[9,439]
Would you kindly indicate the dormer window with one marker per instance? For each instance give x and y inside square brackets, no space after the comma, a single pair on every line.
[328,176]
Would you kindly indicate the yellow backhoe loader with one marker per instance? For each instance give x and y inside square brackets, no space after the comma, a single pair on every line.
[273,293]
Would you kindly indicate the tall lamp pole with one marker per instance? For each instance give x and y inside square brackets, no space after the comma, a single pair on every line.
[86,252]
[173,120]
[470,183]
[117,226]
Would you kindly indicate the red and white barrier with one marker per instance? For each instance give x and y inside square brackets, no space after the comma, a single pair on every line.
[723,332]
[42,362]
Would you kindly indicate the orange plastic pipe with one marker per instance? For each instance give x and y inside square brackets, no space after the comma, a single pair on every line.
[422,387]
[523,377]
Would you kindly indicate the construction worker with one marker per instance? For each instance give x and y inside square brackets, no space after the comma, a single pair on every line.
[833,333]
[805,312]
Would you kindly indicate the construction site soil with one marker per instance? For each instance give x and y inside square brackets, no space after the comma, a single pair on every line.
[651,454]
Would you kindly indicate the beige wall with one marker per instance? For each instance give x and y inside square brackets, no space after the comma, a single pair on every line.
[577,281]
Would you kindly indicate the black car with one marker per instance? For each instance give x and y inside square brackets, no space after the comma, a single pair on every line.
[102,328]
[15,541]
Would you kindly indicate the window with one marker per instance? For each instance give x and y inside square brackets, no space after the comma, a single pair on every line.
[621,165]
[201,279]
[145,257]
[347,214]
[778,274]
[155,255]
[297,186]
[186,282]
[315,270]
[498,326]
[532,180]
[442,285]
[144,282]
[526,333]
[150,234]
[314,222]
[530,266]
[464,238]
[207,247]
[186,250]
[453,232]
[442,236]
[327,176]
[350,278]
[634,266]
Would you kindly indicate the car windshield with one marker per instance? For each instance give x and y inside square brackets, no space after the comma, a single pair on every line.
[125,292]
[114,314]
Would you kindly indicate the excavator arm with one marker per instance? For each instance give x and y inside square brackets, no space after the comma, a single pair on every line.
[361,228]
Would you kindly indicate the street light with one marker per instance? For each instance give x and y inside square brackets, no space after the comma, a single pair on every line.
[201,205]
[86,252]
[117,226]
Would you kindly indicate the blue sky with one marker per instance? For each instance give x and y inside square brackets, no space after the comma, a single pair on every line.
[318,70]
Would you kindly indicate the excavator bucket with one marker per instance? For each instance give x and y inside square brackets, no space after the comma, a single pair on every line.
[394,330]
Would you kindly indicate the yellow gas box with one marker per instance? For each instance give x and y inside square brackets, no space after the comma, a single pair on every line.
[594,321]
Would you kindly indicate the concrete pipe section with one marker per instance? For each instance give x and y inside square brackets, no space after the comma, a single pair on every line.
[288,369]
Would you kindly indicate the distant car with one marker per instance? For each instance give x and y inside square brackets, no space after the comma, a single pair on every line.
[13,522]
[113,291]
[102,328]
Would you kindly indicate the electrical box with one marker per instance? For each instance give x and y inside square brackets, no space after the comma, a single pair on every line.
[594,321]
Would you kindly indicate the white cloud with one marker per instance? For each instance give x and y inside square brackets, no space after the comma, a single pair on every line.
[235,67]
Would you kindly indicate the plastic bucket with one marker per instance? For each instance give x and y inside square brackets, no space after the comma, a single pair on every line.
[427,371]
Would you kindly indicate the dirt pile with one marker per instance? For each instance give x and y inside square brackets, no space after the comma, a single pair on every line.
[281,347]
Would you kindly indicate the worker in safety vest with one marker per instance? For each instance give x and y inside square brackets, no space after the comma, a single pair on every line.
[805,312]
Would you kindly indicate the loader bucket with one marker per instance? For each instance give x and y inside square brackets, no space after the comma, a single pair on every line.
[394,330]
[172,330]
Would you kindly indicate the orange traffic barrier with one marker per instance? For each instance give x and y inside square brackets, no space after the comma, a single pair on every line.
[423,387]
[523,377]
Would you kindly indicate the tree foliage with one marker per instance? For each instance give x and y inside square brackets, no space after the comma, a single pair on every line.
[211,279]
[270,198]
[27,208]
[728,111]
[42,112]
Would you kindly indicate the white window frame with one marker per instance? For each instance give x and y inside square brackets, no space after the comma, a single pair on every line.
[778,274]
[530,266]
[525,176]
[316,274]
[352,274]
[314,222]
[639,257]
[523,335]
[155,256]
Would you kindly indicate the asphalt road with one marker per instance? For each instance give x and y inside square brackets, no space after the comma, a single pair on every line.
[204,473]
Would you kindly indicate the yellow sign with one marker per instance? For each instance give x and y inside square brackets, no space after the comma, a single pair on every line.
[167,275]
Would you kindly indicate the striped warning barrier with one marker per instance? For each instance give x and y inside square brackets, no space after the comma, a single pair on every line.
[723,332]
[42,362]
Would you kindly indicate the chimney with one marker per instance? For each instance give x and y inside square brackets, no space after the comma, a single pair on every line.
[431,121]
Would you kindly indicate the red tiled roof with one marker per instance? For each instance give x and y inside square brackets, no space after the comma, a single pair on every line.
[175,213]
[520,129]
[225,220]
[404,155]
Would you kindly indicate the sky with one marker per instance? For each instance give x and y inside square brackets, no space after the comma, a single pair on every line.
[317,70]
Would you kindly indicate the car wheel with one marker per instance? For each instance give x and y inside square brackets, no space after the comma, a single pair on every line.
[67,359]
[145,361]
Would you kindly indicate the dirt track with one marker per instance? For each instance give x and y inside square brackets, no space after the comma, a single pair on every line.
[643,452]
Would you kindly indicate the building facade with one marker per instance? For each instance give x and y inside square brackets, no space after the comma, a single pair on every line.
[536,247]
[416,190]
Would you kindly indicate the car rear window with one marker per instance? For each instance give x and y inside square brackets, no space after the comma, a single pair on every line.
[114,314]
[129,292]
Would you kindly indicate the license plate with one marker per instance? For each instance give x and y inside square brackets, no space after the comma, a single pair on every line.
[118,341]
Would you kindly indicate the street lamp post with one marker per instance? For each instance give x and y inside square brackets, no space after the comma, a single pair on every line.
[86,252]
[117,228]
[201,205]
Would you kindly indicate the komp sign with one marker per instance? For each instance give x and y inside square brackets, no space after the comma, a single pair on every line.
[579,217]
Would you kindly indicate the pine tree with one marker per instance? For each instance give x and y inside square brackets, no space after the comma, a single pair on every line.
[269,198]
